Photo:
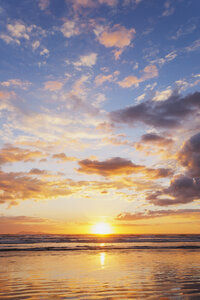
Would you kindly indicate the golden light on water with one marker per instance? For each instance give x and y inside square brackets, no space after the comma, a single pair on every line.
[102,228]
[102,259]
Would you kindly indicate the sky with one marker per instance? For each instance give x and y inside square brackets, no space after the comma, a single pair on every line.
[99,114]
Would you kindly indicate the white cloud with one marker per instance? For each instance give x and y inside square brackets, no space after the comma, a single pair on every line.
[70,28]
[35,45]
[141,97]
[86,60]
[193,47]
[184,30]
[163,95]
[18,30]
[45,51]
[8,39]
[169,9]
[167,58]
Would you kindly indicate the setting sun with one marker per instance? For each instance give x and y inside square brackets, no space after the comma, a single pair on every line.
[102,228]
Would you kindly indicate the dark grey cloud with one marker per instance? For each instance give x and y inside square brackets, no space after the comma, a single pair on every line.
[182,190]
[163,114]
[189,156]
[154,138]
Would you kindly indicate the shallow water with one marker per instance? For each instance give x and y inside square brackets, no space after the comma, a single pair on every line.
[100,274]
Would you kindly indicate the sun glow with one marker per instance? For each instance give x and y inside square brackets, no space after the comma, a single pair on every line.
[102,228]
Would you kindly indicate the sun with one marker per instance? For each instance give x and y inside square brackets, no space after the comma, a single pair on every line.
[102,228]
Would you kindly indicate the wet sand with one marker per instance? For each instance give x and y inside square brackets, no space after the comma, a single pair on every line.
[111,274]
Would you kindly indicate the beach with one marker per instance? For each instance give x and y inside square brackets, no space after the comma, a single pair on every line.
[102,271]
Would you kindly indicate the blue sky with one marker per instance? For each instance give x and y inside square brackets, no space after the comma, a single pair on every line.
[99,115]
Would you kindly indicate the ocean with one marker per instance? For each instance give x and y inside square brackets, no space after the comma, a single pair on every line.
[99,267]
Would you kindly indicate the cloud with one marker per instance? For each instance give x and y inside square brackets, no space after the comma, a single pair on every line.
[70,28]
[155,144]
[152,214]
[8,39]
[119,37]
[10,154]
[109,167]
[62,157]
[167,58]
[6,101]
[16,83]
[129,81]
[149,72]
[44,4]
[36,171]
[101,78]
[155,139]
[182,190]
[169,9]
[167,114]
[193,47]
[141,97]
[163,95]
[81,4]
[86,60]
[44,52]
[18,30]
[108,2]
[35,45]
[185,30]
[16,187]
[53,86]
[117,166]
[117,53]
[189,156]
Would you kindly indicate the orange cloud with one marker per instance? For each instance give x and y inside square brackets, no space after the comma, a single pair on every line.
[100,79]
[19,186]
[61,157]
[151,214]
[7,95]
[16,83]
[149,72]
[129,81]
[53,86]
[118,166]
[11,154]
[113,166]
[80,4]
[118,36]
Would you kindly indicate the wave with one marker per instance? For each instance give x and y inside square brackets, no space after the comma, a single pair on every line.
[88,239]
[100,248]
[94,242]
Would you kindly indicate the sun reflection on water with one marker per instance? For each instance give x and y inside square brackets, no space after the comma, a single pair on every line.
[102,259]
